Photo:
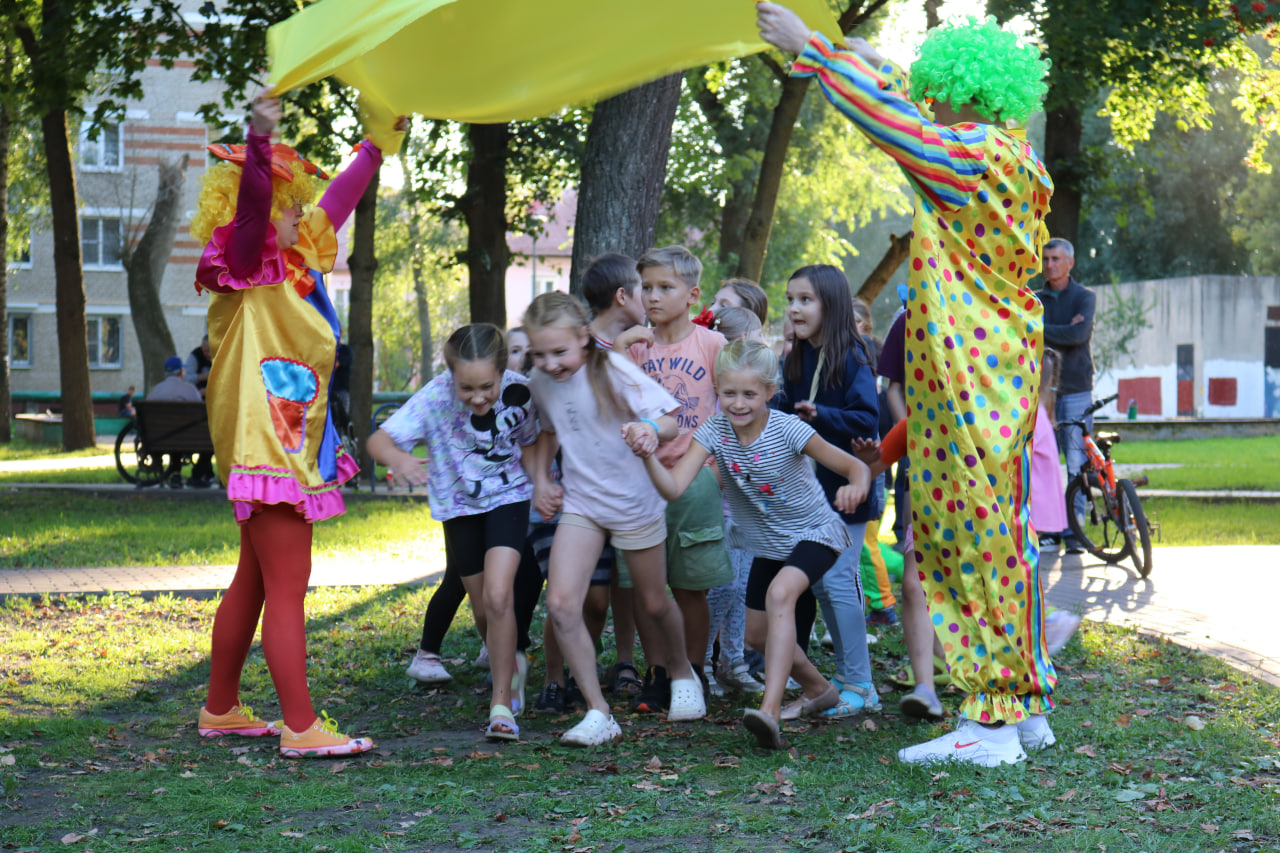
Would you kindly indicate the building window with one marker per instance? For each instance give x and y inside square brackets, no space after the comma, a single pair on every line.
[104,341]
[100,242]
[19,340]
[23,261]
[104,154]
[546,285]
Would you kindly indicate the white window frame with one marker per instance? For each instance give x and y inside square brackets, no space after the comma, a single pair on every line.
[23,263]
[27,319]
[96,219]
[96,149]
[99,328]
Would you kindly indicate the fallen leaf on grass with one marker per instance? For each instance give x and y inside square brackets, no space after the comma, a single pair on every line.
[1243,834]
[1122,769]
[291,834]
[869,725]
[1068,796]
[871,810]
[7,760]
[1128,795]
[1087,749]
[1210,828]
[76,838]
[338,768]
[653,765]
[1123,720]
[1193,722]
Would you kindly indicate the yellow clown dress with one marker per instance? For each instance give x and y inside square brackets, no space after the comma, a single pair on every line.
[274,335]
[974,339]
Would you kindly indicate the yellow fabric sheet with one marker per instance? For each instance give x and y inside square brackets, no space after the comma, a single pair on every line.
[489,61]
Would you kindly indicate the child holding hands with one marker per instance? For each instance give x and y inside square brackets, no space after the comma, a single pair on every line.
[781,515]
[474,418]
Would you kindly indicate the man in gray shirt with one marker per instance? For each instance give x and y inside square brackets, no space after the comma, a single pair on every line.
[175,387]
[1068,328]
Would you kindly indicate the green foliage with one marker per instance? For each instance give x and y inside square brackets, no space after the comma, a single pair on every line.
[1116,329]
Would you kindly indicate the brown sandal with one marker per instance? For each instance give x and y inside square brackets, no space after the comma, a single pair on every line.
[807,707]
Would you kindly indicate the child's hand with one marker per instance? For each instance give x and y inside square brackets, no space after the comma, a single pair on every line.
[548,498]
[634,335]
[408,470]
[849,497]
[806,411]
[866,449]
[642,438]
[266,114]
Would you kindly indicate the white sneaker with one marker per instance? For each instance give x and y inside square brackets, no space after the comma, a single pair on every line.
[594,730]
[971,742]
[686,700]
[1034,732]
[739,678]
[1059,626]
[427,668]
[482,659]
[827,641]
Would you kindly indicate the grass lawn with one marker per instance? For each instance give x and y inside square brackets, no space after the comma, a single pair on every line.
[98,751]
[1213,463]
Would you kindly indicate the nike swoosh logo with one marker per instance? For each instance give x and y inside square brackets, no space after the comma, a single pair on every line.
[967,745]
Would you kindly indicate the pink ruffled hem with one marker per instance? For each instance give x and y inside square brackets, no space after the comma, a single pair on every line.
[213,273]
[251,488]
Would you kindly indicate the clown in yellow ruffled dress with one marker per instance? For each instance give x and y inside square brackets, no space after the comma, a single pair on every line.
[274,334]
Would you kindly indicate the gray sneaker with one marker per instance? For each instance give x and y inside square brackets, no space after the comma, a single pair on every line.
[428,668]
[739,678]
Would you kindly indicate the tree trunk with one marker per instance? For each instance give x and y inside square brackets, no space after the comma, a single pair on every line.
[73,335]
[1063,130]
[898,251]
[6,397]
[931,18]
[363,262]
[760,223]
[624,169]
[484,207]
[145,266]
[426,361]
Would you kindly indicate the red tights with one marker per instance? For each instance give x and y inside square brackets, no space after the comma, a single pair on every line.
[275,566]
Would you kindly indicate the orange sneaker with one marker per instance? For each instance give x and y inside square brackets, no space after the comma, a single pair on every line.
[238,721]
[322,740]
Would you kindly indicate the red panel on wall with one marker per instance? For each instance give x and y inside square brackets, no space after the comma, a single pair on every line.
[1222,391]
[1186,397]
[1144,389]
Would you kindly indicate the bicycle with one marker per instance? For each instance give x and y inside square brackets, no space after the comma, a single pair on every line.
[1113,526]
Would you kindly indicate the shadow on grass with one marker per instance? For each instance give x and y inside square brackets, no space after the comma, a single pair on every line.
[1129,771]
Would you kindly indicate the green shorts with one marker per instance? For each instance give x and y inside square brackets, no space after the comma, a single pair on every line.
[696,555]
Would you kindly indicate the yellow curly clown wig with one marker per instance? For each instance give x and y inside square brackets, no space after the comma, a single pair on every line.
[977,63]
[221,184]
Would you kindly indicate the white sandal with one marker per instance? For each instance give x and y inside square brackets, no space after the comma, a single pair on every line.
[594,730]
[687,701]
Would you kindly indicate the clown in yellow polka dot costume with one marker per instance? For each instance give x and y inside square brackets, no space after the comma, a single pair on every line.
[974,338]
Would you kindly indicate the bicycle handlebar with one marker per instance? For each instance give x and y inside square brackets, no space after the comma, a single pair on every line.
[1098,405]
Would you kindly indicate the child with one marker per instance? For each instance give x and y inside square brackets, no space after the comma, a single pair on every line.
[828,383]
[742,293]
[1048,503]
[475,418]
[680,354]
[517,349]
[781,516]
[611,287]
[727,603]
[585,395]
[274,337]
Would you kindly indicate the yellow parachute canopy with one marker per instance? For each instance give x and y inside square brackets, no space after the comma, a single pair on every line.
[488,61]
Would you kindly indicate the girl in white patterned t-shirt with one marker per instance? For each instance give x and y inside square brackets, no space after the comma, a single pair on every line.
[781,517]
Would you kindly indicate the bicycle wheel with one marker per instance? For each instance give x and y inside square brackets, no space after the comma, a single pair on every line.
[1098,529]
[1137,530]
[126,442]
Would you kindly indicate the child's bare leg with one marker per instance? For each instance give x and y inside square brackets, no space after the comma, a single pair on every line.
[551,654]
[648,580]
[491,593]
[697,624]
[917,629]
[624,622]
[782,654]
[574,553]
[595,612]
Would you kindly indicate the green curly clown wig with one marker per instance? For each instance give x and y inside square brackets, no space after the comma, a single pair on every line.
[977,63]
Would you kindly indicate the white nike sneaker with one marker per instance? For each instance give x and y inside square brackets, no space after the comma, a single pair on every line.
[972,743]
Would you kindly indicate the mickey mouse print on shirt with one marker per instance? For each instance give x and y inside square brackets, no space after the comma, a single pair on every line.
[474,459]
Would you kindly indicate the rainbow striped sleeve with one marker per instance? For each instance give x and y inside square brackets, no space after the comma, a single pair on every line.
[943,163]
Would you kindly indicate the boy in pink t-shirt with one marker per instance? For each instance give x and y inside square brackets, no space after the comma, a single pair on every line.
[681,355]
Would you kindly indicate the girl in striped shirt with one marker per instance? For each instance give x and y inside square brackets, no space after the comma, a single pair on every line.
[781,516]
